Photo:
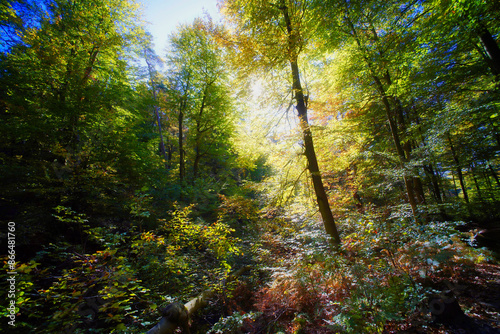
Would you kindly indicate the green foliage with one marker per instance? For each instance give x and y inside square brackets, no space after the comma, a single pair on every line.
[198,91]
[181,254]
[373,301]
[90,292]
[381,275]
[232,323]
[131,193]
[120,286]
[23,283]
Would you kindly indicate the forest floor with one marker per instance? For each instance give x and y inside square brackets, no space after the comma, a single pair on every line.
[465,298]
[471,305]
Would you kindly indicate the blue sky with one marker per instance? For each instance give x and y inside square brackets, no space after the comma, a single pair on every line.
[165,15]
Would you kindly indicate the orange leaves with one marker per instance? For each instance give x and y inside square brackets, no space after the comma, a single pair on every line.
[151,237]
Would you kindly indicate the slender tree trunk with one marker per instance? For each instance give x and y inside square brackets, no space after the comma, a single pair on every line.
[182,165]
[435,183]
[459,170]
[162,142]
[170,153]
[462,184]
[419,190]
[197,149]
[407,147]
[410,191]
[454,184]
[196,163]
[474,178]
[486,178]
[182,153]
[494,174]
[312,161]
[392,125]
[491,48]
[156,108]
[428,169]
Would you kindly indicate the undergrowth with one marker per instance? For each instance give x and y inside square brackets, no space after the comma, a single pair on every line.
[384,272]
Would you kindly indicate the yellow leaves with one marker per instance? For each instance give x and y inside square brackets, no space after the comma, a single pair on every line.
[121,327]
[480,259]
[26,268]
[150,237]
[76,293]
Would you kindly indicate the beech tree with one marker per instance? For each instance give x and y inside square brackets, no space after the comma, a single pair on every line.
[363,30]
[199,92]
[69,108]
[275,34]
[428,73]
[151,58]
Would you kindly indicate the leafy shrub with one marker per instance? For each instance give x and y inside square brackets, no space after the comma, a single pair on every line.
[233,323]
[119,286]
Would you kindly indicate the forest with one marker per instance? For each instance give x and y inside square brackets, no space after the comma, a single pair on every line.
[300,166]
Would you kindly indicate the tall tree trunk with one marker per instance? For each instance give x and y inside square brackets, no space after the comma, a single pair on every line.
[196,163]
[170,152]
[454,184]
[459,170]
[182,165]
[162,142]
[392,124]
[474,178]
[486,178]
[407,146]
[494,174]
[197,149]
[429,169]
[156,108]
[312,161]
[491,48]
[408,180]
[182,107]
[435,183]
[419,190]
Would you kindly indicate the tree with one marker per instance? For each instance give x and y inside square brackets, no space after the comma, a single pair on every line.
[150,58]
[198,89]
[275,34]
[69,117]
[428,78]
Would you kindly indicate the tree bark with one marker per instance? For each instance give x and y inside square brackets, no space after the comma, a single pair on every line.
[162,142]
[419,190]
[435,184]
[310,153]
[182,153]
[474,178]
[491,48]
[459,170]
